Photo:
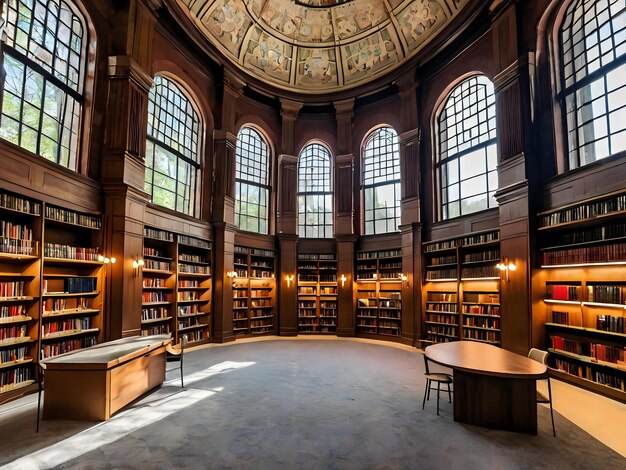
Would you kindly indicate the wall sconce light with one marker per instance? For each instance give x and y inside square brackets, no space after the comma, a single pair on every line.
[232,275]
[137,265]
[404,278]
[506,266]
[343,280]
[290,279]
[105,260]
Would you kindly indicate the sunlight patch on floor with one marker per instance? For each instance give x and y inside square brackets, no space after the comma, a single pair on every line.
[110,431]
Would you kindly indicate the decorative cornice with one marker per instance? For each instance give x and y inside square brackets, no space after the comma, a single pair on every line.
[124,66]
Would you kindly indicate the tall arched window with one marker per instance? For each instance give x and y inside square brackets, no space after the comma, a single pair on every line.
[252,181]
[467,157]
[381,182]
[45,55]
[593,89]
[172,147]
[315,197]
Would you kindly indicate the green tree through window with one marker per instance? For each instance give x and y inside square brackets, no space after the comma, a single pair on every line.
[172,147]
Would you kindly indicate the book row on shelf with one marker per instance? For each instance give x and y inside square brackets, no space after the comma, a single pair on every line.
[154,314]
[379,254]
[19,204]
[19,247]
[10,333]
[584,211]
[598,293]
[57,250]
[590,234]
[11,289]
[72,285]
[607,253]
[582,371]
[193,242]
[484,255]
[10,229]
[50,306]
[13,355]
[61,347]
[596,351]
[191,258]
[149,251]
[254,251]
[193,269]
[12,378]
[156,265]
[12,311]
[67,325]
[73,217]
[158,234]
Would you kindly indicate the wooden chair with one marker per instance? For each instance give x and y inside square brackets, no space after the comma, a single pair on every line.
[41,366]
[438,378]
[542,357]
[175,354]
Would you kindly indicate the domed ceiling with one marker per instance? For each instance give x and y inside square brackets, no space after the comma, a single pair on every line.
[320,46]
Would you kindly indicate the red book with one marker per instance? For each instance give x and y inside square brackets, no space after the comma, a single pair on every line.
[560,292]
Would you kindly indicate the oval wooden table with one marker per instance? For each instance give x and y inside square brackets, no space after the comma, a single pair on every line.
[493,387]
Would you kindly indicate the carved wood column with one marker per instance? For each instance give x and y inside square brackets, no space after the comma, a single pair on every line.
[513,192]
[288,220]
[344,192]
[123,169]
[409,137]
[225,149]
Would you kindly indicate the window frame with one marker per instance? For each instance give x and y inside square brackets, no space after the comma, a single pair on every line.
[317,193]
[441,162]
[387,157]
[263,186]
[76,91]
[196,166]
[564,91]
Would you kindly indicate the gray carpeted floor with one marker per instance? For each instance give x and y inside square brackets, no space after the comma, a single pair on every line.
[295,404]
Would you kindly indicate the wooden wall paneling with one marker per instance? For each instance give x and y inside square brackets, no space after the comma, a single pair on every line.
[287,215]
[287,294]
[224,247]
[345,297]
[344,194]
[412,287]
[225,148]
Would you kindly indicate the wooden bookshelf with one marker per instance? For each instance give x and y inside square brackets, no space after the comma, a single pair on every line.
[378,293]
[254,291]
[20,241]
[158,282]
[193,289]
[317,293]
[72,282]
[582,258]
[462,288]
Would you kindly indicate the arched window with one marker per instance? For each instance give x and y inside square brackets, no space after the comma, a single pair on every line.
[593,89]
[315,197]
[252,181]
[467,157]
[381,182]
[45,55]
[172,147]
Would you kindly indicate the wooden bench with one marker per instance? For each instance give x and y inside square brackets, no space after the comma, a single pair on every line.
[93,383]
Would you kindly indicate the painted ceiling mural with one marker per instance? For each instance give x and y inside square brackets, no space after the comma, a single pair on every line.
[319,46]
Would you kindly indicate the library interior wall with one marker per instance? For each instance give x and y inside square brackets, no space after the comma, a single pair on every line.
[135,41]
